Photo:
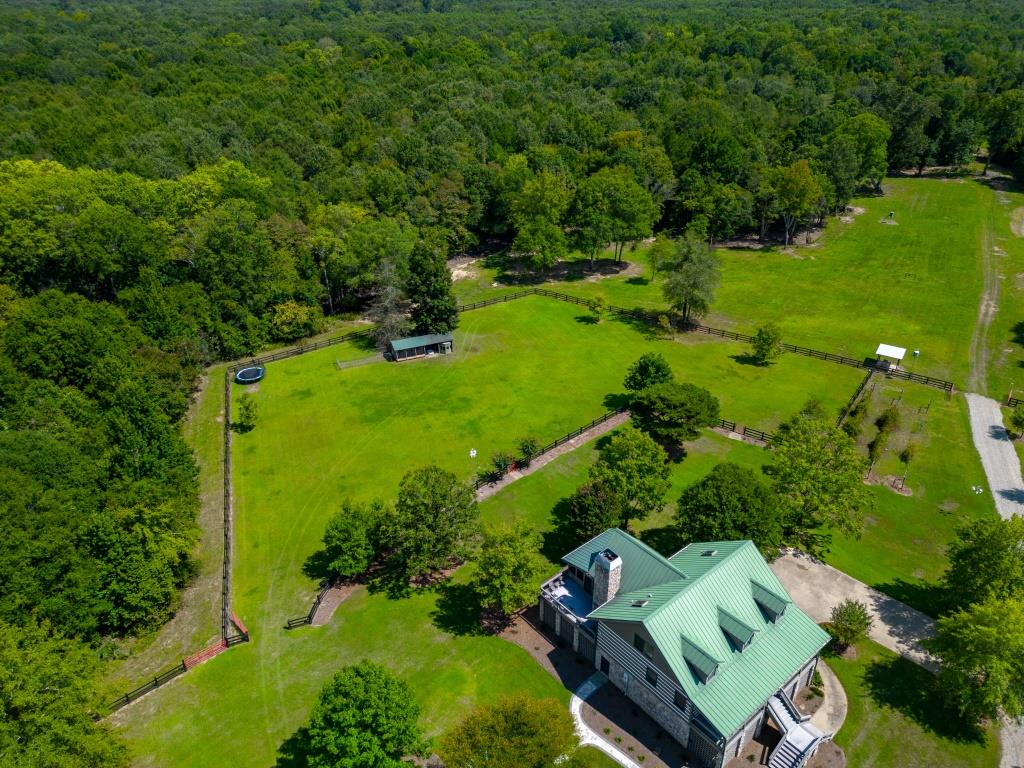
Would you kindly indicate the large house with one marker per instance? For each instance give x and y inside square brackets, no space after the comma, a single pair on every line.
[707,641]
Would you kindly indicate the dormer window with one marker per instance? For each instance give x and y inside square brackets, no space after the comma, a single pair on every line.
[701,664]
[738,634]
[771,605]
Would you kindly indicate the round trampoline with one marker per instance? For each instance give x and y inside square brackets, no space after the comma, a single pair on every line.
[250,374]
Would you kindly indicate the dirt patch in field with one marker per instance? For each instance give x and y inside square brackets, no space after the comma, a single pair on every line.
[463,269]
[1017,222]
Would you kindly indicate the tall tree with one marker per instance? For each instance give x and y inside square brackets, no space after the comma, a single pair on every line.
[429,289]
[352,538]
[797,192]
[818,475]
[1005,119]
[650,368]
[691,281]
[434,524]
[610,207]
[47,699]
[986,559]
[869,136]
[731,502]
[507,568]
[673,413]
[636,470]
[981,650]
[538,213]
[363,718]
[515,732]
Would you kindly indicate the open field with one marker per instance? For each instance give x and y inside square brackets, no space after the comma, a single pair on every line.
[917,283]
[902,550]
[895,722]
[527,367]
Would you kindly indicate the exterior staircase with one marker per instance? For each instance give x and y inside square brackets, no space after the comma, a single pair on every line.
[800,739]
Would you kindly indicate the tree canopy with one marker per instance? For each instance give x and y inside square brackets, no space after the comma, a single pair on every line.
[363,718]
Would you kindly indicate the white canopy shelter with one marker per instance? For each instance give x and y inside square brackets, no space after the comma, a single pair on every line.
[891,352]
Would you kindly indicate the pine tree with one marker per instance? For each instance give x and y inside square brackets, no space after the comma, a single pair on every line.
[429,290]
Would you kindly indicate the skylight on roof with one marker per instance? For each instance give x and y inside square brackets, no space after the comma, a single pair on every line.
[709,553]
[639,603]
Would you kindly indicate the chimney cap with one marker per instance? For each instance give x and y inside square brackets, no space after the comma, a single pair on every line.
[607,559]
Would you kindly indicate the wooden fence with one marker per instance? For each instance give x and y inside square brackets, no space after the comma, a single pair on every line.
[755,434]
[302,621]
[142,690]
[1013,402]
[853,400]
[481,482]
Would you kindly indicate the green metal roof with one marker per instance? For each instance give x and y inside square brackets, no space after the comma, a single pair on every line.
[693,599]
[400,345]
[701,661]
[736,628]
[770,601]
[643,569]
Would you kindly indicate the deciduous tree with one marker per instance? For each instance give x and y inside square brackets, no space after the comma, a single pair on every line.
[363,718]
[673,413]
[986,559]
[981,651]
[818,475]
[515,732]
[429,289]
[650,368]
[635,469]
[690,282]
[507,568]
[731,502]
[849,623]
[352,538]
[435,522]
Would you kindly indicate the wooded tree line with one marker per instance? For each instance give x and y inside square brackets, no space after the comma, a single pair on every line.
[185,182]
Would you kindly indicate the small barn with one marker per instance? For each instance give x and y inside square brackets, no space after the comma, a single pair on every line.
[421,346]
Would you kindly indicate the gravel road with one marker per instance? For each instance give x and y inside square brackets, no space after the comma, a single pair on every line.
[998,457]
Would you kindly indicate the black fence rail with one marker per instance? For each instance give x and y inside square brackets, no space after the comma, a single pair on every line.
[828,356]
[1013,402]
[899,373]
[757,434]
[142,690]
[481,482]
[733,335]
[498,299]
[853,400]
[725,424]
[302,621]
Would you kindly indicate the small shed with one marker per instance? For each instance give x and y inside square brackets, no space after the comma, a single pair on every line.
[889,355]
[421,346]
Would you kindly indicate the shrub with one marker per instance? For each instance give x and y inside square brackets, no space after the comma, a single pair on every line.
[767,343]
[850,622]
[529,447]
[248,413]
[907,454]
[502,463]
[650,369]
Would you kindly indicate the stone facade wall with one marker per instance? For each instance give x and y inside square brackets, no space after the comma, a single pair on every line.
[675,722]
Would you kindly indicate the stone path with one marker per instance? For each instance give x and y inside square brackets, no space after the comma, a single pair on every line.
[1011,740]
[587,736]
[817,588]
[334,597]
[489,490]
[832,713]
[998,457]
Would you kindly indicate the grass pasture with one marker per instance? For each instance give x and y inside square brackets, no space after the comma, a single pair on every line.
[534,366]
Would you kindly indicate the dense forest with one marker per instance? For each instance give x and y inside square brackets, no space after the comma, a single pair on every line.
[183,182]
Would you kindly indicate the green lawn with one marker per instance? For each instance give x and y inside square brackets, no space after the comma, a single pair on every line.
[916,284]
[895,721]
[527,367]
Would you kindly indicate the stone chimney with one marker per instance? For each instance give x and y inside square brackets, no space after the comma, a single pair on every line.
[607,576]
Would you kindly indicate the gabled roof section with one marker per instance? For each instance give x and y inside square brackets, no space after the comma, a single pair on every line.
[740,633]
[698,608]
[699,661]
[769,601]
[642,567]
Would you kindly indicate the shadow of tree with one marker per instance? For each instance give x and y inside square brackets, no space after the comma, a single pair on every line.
[561,538]
[294,752]
[665,539]
[391,579]
[913,691]
[458,610]
[587,319]
[316,565]
[615,400]
[513,273]
[637,280]
[745,359]
[932,599]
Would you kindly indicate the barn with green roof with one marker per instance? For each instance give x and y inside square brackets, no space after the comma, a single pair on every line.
[707,641]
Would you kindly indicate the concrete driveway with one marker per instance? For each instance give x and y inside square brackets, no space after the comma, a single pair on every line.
[818,588]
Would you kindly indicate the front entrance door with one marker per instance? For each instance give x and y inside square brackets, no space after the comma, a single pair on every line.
[605,666]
